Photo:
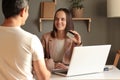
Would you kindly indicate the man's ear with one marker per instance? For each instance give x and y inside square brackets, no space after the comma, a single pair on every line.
[22,12]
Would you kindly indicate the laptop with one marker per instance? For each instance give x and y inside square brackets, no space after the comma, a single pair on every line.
[86,60]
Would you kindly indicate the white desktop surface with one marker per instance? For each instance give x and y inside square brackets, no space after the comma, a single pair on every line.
[112,74]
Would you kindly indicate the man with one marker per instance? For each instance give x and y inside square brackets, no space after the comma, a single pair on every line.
[20,51]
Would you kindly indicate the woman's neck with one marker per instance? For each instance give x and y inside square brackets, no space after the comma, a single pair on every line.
[60,35]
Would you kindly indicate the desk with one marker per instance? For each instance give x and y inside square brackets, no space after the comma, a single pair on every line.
[112,74]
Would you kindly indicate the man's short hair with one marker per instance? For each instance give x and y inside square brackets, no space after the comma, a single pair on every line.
[12,8]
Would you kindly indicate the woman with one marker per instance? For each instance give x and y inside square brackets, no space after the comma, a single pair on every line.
[57,45]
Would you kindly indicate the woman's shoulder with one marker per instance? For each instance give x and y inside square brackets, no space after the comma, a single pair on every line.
[47,34]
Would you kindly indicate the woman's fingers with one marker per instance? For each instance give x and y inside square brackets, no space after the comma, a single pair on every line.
[77,37]
[61,66]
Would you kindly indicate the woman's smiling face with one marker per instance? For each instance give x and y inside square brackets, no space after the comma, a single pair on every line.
[60,20]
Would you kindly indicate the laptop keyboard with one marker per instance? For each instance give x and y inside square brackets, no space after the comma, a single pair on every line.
[63,72]
[60,70]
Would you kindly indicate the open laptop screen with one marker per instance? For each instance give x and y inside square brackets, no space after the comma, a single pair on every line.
[88,59]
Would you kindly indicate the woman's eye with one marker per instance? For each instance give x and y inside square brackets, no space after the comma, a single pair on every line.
[63,19]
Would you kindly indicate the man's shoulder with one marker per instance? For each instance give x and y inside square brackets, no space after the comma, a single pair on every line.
[28,35]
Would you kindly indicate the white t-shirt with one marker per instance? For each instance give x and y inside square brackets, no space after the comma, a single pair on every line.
[18,49]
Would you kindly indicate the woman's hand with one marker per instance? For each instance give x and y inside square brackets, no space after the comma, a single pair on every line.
[76,38]
[50,64]
[60,66]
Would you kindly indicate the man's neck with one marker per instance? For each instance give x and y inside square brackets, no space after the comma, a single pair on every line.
[11,22]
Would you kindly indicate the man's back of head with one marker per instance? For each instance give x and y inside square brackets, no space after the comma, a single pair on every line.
[12,8]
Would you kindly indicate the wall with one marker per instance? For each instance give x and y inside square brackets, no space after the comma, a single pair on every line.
[103,30]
